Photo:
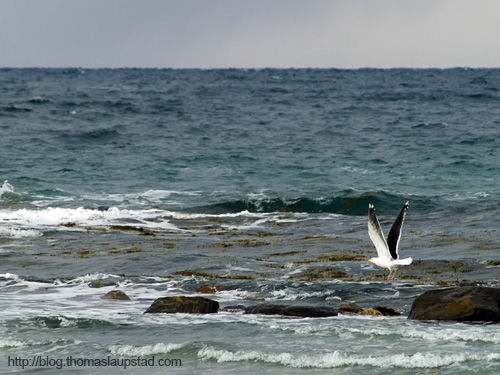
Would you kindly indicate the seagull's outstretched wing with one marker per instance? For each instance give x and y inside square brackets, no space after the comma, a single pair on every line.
[395,233]
[376,234]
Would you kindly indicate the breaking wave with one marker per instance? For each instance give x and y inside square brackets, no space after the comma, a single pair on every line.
[336,359]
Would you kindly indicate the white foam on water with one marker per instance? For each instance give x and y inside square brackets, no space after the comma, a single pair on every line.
[82,219]
[11,276]
[192,216]
[13,343]
[7,343]
[6,188]
[90,277]
[459,333]
[292,294]
[148,197]
[64,322]
[357,170]
[146,350]
[340,359]
[19,233]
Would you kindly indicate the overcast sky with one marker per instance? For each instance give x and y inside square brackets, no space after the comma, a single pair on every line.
[250,33]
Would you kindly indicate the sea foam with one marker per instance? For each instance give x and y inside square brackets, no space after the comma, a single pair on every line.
[6,188]
[341,359]
[82,218]
[146,350]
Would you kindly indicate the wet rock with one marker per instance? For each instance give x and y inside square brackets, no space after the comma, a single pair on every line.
[103,283]
[212,289]
[206,289]
[191,305]
[350,308]
[292,310]
[370,312]
[387,311]
[467,304]
[116,295]
[354,309]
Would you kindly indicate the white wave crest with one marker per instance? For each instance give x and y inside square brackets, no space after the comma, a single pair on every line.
[88,278]
[11,276]
[440,334]
[149,196]
[146,350]
[12,343]
[81,218]
[339,359]
[290,294]
[6,188]
[19,233]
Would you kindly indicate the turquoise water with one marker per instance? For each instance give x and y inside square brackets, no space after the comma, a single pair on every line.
[157,181]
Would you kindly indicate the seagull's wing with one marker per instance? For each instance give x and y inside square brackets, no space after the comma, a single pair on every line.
[376,234]
[403,262]
[395,232]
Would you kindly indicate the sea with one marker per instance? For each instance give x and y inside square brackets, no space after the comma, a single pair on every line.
[256,182]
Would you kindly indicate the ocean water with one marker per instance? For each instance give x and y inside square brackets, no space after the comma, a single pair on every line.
[155,182]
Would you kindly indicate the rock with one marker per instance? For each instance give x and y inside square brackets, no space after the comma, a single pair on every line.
[387,311]
[370,312]
[191,305]
[350,308]
[467,304]
[206,289]
[292,310]
[212,289]
[103,283]
[117,295]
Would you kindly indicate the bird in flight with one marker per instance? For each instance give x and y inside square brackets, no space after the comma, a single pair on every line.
[387,251]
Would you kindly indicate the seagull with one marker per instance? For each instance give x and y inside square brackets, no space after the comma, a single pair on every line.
[387,251]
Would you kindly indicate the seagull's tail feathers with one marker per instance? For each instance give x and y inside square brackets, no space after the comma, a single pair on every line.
[403,262]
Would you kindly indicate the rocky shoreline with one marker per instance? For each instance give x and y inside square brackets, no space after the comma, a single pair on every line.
[461,304]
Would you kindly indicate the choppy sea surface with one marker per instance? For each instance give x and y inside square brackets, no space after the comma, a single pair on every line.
[257,182]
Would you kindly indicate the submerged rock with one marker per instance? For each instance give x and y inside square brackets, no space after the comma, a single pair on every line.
[206,289]
[292,310]
[467,304]
[117,295]
[212,289]
[191,305]
[350,308]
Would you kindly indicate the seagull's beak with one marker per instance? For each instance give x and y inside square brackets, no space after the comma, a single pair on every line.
[368,260]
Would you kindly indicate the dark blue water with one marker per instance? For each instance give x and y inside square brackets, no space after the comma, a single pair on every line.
[156,181]
[227,134]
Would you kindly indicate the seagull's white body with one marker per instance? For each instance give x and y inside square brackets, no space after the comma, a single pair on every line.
[387,251]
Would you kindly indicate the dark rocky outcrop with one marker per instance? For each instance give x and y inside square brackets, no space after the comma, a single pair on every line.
[191,305]
[387,311]
[370,312]
[116,295]
[350,308]
[467,304]
[292,310]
